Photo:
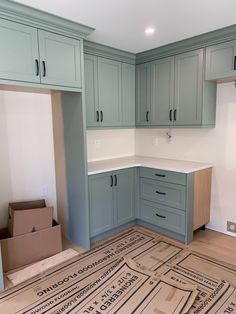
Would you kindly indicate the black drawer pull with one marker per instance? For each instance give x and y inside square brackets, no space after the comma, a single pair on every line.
[147,116]
[115,180]
[37,67]
[175,114]
[101,112]
[44,68]
[111,181]
[170,115]
[160,175]
[235,63]
[160,216]
[162,193]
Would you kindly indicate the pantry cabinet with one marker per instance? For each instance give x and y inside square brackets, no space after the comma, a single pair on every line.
[35,56]
[221,61]
[111,200]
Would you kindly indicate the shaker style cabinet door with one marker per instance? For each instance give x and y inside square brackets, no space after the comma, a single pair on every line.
[91,91]
[221,61]
[109,92]
[123,196]
[142,94]
[100,203]
[60,60]
[188,88]
[162,80]
[19,59]
[128,95]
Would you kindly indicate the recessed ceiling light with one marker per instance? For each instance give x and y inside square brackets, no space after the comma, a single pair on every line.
[149,31]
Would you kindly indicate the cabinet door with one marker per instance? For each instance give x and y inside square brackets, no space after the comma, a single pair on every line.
[128,94]
[109,92]
[19,52]
[162,80]
[220,61]
[142,94]
[123,192]
[91,90]
[188,88]
[60,60]
[100,203]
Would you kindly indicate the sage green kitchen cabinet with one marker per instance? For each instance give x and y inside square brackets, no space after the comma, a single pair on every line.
[221,61]
[37,56]
[60,60]
[19,54]
[188,91]
[91,90]
[142,94]
[101,203]
[109,92]
[162,80]
[128,95]
[111,200]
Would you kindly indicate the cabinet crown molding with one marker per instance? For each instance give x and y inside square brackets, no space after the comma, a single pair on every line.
[24,14]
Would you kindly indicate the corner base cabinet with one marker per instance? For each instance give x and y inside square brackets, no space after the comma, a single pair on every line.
[111,200]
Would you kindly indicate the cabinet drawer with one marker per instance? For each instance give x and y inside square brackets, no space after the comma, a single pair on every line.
[163,175]
[164,217]
[168,194]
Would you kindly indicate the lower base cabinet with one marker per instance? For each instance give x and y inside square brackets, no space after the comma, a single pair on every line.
[111,200]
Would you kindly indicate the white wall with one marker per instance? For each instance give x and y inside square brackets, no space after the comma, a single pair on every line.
[105,144]
[27,168]
[216,146]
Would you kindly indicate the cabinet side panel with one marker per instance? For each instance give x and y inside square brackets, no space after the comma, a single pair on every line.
[202,197]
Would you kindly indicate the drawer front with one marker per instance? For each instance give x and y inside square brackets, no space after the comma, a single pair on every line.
[163,175]
[168,194]
[164,217]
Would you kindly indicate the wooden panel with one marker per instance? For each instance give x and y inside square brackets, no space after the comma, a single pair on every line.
[162,84]
[19,52]
[202,197]
[62,58]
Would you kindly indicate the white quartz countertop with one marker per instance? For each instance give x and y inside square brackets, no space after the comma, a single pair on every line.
[182,166]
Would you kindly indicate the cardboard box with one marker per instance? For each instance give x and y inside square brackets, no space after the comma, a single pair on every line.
[25,217]
[30,247]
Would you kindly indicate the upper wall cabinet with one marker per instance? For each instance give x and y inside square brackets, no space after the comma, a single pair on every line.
[19,55]
[109,92]
[221,61]
[178,94]
[37,56]
[143,94]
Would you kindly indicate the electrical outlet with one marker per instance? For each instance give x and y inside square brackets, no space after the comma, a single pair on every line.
[44,191]
[97,143]
[231,226]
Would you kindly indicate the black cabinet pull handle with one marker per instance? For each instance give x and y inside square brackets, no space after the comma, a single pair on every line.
[111,181]
[160,216]
[115,180]
[162,193]
[44,68]
[101,115]
[37,67]
[235,63]
[170,115]
[175,114]
[147,116]
[97,112]
[160,175]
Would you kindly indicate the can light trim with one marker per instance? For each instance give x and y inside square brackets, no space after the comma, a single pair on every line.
[149,31]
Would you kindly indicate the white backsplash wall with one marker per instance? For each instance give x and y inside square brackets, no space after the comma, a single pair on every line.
[216,146]
[105,144]
[27,168]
